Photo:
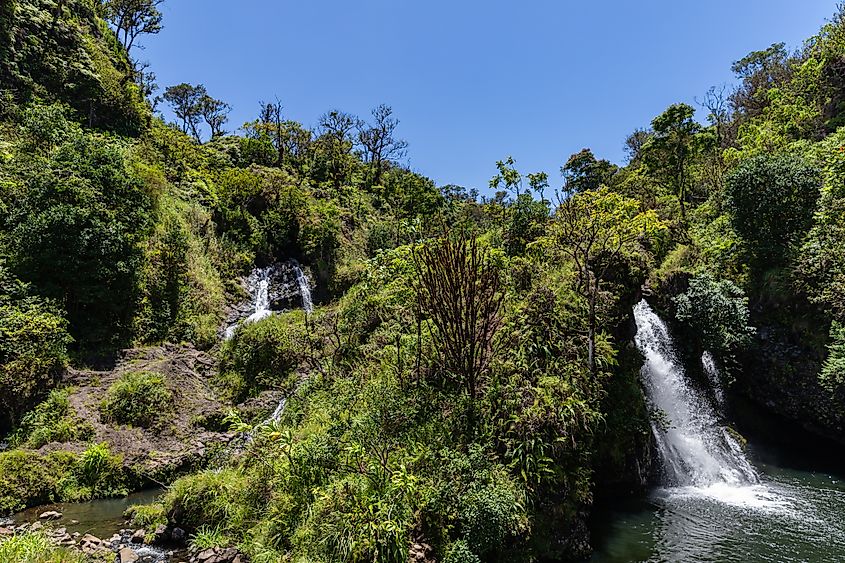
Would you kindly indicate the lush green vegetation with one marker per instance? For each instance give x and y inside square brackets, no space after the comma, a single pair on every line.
[138,398]
[35,547]
[466,381]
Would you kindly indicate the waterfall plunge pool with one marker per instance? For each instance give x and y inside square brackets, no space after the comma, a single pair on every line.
[780,500]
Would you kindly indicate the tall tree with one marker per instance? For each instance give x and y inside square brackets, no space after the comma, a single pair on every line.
[335,144]
[378,142]
[215,113]
[595,229]
[670,150]
[583,171]
[132,18]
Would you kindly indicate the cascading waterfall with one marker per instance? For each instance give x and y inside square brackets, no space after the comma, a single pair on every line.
[258,285]
[304,289]
[711,370]
[695,448]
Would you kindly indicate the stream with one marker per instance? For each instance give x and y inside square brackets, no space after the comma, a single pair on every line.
[718,502]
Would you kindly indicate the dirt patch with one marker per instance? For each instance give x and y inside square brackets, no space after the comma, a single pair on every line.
[191,431]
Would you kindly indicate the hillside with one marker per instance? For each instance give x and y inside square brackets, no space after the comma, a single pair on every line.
[467,384]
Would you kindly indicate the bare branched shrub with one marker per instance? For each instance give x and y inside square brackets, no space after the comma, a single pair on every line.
[459,292]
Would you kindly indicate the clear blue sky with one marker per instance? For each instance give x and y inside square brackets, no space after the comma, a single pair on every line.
[473,81]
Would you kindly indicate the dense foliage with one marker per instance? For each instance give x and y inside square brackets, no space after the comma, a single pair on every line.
[466,384]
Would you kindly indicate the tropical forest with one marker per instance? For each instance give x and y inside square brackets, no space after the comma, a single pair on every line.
[272,341]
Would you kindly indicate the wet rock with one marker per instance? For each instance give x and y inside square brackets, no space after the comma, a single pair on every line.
[138,536]
[50,515]
[178,535]
[60,532]
[126,555]
[206,556]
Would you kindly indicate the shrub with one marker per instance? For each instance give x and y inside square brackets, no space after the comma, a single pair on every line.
[459,552]
[147,516]
[138,398]
[489,514]
[208,498]
[50,421]
[33,348]
[96,474]
[27,479]
[263,354]
[716,310]
[36,547]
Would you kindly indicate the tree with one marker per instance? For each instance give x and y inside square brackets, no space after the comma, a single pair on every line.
[459,290]
[215,113]
[670,150]
[595,229]
[185,100]
[132,18]
[377,140]
[771,200]
[508,177]
[584,172]
[335,144]
[759,71]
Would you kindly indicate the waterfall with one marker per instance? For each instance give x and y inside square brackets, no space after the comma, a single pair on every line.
[696,450]
[258,286]
[304,289]
[711,370]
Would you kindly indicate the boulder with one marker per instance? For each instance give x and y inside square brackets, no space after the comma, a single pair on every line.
[138,536]
[50,515]
[178,535]
[126,555]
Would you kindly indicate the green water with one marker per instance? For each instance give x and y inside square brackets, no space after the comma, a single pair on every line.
[101,518]
[796,513]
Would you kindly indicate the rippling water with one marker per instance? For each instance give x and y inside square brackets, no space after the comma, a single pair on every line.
[790,516]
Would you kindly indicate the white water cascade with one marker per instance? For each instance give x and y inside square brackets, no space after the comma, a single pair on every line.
[696,450]
[258,285]
[304,289]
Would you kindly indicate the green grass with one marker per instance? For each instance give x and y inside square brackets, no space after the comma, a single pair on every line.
[35,547]
[207,537]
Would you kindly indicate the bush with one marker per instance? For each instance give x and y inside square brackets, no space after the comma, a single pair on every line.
[715,310]
[459,552]
[263,354]
[36,547]
[27,479]
[208,498]
[147,516]
[96,474]
[139,399]
[771,200]
[50,421]
[33,349]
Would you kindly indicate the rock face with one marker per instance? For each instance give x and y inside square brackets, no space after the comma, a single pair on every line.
[158,452]
[780,373]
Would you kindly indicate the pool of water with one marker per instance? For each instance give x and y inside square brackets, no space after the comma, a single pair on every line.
[101,518]
[796,513]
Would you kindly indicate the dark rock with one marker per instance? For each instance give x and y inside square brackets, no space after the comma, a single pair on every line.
[178,535]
